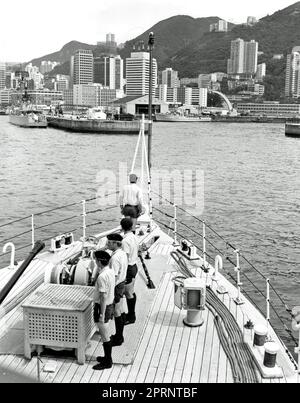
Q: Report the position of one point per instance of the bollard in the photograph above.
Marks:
(260, 335)
(271, 350)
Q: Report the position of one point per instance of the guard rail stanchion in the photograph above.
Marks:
(32, 230)
(238, 299)
(84, 219)
(175, 243)
(268, 303)
(204, 245)
(296, 328)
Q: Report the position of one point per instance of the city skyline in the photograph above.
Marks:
(125, 19)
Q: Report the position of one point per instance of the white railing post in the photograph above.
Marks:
(175, 243)
(296, 328)
(204, 245)
(84, 219)
(32, 230)
(268, 303)
(238, 299)
(13, 253)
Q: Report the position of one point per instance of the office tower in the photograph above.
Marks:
(108, 71)
(137, 74)
(62, 83)
(170, 78)
(82, 67)
(2, 75)
(292, 79)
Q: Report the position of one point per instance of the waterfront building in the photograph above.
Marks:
(243, 57)
(2, 75)
(82, 67)
(261, 71)
(274, 109)
(169, 77)
(140, 105)
(220, 26)
(137, 74)
(45, 97)
(292, 80)
(6, 97)
(68, 97)
(108, 71)
(85, 95)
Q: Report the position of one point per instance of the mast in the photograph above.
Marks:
(150, 46)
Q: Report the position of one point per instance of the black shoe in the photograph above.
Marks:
(130, 320)
(116, 341)
(105, 364)
(100, 359)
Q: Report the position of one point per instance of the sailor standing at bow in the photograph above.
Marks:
(118, 263)
(131, 200)
(104, 306)
(130, 247)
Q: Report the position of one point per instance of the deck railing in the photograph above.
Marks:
(79, 217)
(248, 279)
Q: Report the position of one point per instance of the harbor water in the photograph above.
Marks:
(251, 182)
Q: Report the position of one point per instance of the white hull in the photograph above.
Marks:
(177, 118)
(27, 121)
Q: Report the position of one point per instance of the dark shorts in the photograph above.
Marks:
(131, 273)
(119, 292)
(109, 313)
(131, 211)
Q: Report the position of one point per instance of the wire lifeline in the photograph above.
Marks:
(57, 222)
(15, 221)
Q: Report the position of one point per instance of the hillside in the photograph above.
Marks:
(185, 43)
(64, 54)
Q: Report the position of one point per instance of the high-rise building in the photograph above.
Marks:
(35, 77)
(251, 21)
(292, 80)
(170, 78)
(108, 71)
(220, 26)
(203, 97)
(137, 74)
(2, 75)
(62, 83)
(236, 61)
(47, 66)
(85, 94)
(261, 71)
(243, 57)
(82, 67)
(250, 57)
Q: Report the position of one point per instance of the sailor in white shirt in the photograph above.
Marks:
(104, 306)
(131, 200)
(131, 247)
(118, 263)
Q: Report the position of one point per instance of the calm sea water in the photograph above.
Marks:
(251, 171)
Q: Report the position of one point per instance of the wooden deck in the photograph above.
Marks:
(168, 351)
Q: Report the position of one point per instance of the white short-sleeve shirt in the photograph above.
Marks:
(119, 264)
(105, 283)
(131, 247)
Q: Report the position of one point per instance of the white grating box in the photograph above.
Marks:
(59, 316)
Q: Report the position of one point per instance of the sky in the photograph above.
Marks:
(33, 28)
